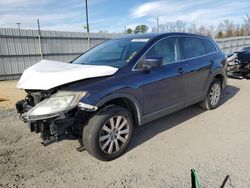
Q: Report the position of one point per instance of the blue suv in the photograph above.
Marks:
(121, 83)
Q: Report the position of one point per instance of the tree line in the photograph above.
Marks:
(226, 28)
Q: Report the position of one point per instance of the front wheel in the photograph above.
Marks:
(108, 133)
(213, 95)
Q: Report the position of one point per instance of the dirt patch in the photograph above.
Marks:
(9, 94)
(161, 154)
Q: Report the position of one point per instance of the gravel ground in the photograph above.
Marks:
(161, 154)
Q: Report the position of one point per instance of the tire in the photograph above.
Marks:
(213, 95)
(103, 140)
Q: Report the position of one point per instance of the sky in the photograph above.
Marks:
(114, 15)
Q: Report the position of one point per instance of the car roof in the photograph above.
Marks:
(160, 35)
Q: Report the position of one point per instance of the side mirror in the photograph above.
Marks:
(151, 62)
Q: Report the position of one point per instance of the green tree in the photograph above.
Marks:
(129, 31)
(219, 35)
(141, 29)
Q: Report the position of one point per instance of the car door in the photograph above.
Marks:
(164, 87)
(198, 63)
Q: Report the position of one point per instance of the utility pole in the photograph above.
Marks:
(19, 26)
(39, 38)
(157, 24)
(38, 26)
(87, 20)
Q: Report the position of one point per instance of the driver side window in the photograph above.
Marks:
(165, 49)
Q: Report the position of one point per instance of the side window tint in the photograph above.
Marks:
(167, 49)
(210, 48)
(192, 47)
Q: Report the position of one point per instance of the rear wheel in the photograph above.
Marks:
(108, 133)
(213, 95)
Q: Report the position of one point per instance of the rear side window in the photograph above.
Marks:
(210, 48)
(191, 47)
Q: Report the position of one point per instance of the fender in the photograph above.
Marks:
(131, 98)
(214, 73)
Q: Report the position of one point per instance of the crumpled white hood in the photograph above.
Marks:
(48, 74)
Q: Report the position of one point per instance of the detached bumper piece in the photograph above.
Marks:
(53, 130)
(231, 75)
(25, 105)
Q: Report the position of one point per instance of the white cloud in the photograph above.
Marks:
(155, 8)
(201, 12)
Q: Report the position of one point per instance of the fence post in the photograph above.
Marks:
(222, 44)
(235, 47)
(230, 41)
(88, 41)
(40, 45)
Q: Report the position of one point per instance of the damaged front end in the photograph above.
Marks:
(56, 116)
(238, 64)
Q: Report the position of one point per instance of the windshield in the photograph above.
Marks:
(115, 53)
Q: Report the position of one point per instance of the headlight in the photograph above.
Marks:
(232, 57)
(60, 102)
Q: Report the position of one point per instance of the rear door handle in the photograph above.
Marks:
(180, 70)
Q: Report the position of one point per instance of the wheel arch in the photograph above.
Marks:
(219, 74)
(220, 78)
(126, 101)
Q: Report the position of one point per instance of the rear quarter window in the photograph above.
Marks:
(191, 47)
(210, 48)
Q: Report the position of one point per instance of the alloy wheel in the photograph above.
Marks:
(214, 95)
(114, 134)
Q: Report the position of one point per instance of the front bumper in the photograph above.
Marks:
(53, 130)
(66, 125)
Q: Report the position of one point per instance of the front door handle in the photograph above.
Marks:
(181, 70)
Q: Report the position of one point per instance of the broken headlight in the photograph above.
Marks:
(62, 101)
